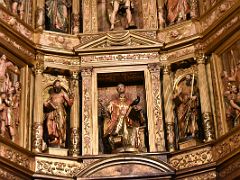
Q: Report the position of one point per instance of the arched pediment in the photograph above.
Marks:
(118, 42)
(125, 166)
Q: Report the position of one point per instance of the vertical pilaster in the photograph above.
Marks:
(149, 10)
(38, 105)
(194, 9)
(168, 108)
(75, 15)
(89, 16)
(87, 134)
(157, 118)
(74, 149)
(205, 98)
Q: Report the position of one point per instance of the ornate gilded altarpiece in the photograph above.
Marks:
(197, 54)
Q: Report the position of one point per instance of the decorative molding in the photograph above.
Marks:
(6, 175)
(207, 175)
(221, 31)
(58, 167)
(16, 25)
(56, 40)
(227, 146)
(177, 33)
(191, 159)
(17, 45)
(216, 14)
(121, 57)
(62, 60)
(233, 167)
(179, 54)
(15, 156)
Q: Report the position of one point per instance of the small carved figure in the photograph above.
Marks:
(121, 6)
(6, 116)
(234, 98)
(18, 8)
(57, 13)
(177, 10)
(187, 106)
(56, 115)
(122, 122)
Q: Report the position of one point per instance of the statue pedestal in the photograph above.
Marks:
(188, 143)
(57, 151)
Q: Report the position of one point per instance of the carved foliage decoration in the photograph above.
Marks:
(86, 110)
(191, 159)
(227, 146)
(7, 175)
(158, 120)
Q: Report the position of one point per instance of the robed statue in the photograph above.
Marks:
(123, 123)
(187, 105)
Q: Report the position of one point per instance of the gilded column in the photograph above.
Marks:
(74, 149)
(149, 8)
(87, 136)
(168, 109)
(75, 16)
(205, 99)
(38, 105)
(40, 13)
(160, 9)
(157, 107)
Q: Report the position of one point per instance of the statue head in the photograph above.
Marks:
(121, 88)
(4, 58)
(188, 80)
(57, 86)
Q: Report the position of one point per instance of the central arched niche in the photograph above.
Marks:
(124, 166)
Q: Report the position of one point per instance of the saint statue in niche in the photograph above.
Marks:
(57, 15)
(123, 124)
(187, 105)
(56, 116)
(10, 92)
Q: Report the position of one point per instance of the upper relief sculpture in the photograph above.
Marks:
(187, 105)
(231, 84)
(121, 7)
(15, 6)
(57, 15)
(10, 92)
(177, 10)
(123, 120)
(55, 123)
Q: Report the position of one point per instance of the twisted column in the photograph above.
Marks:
(38, 106)
(168, 109)
(74, 149)
(205, 99)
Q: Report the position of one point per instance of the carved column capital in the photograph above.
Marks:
(39, 66)
(86, 72)
(166, 69)
(200, 58)
(154, 67)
